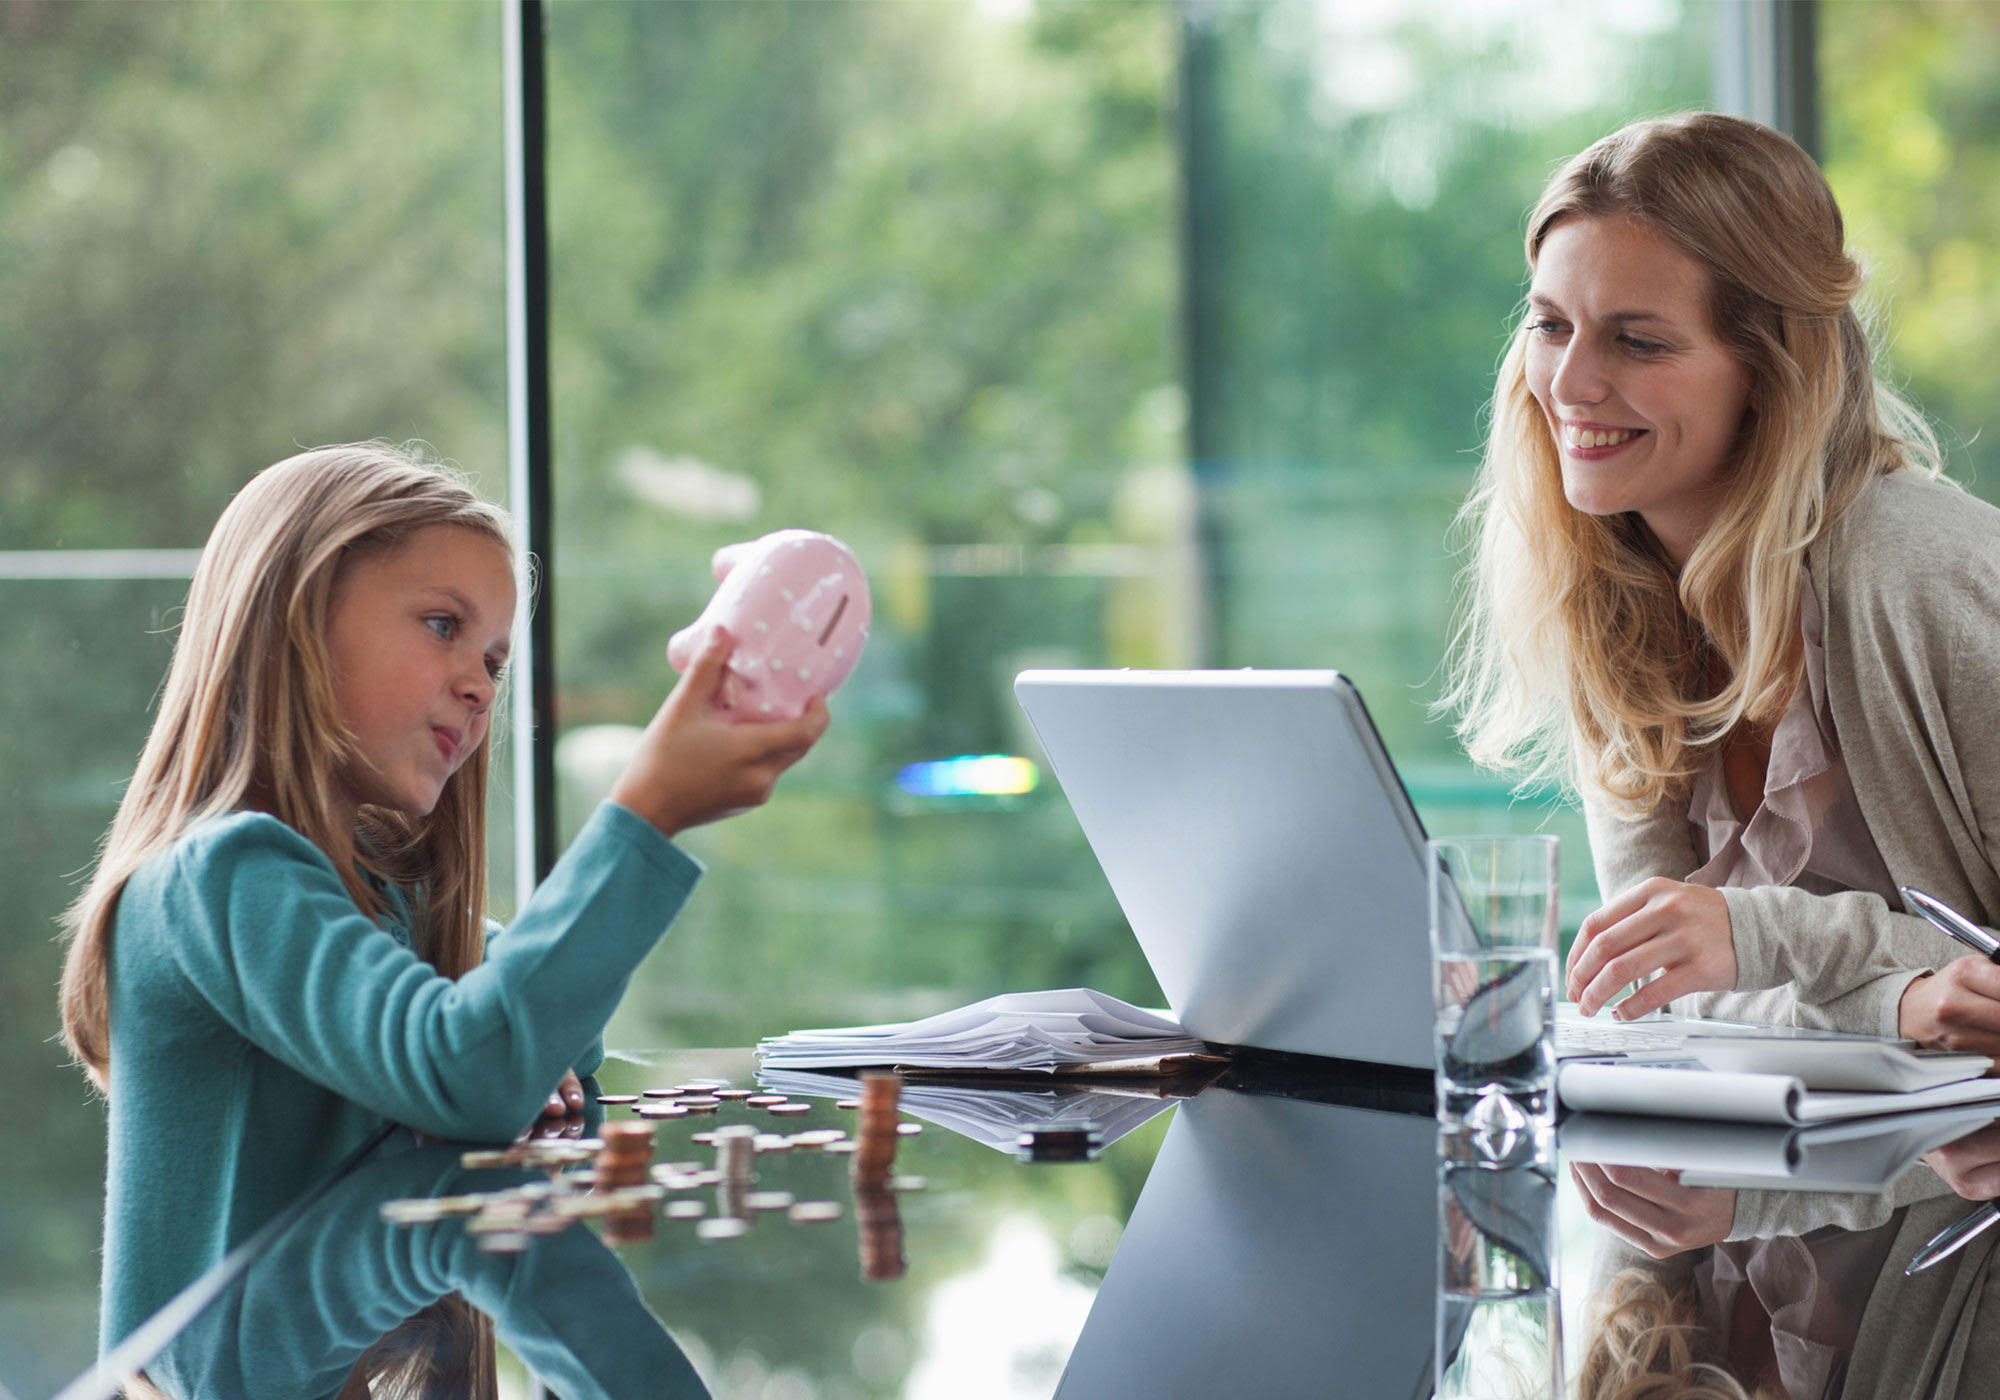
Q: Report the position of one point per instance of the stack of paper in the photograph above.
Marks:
(995, 1116)
(1075, 1031)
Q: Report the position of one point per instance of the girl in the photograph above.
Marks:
(1718, 585)
(284, 940)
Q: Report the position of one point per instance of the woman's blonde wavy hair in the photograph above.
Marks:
(248, 715)
(1584, 655)
(1646, 1343)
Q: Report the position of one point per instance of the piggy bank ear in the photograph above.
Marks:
(685, 645)
(727, 558)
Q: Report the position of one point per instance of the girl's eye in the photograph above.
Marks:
(444, 624)
(496, 668)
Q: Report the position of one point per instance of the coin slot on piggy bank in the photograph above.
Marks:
(798, 606)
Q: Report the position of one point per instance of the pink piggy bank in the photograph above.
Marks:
(797, 604)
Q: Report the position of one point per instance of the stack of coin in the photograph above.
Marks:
(875, 1152)
(623, 1161)
(880, 1237)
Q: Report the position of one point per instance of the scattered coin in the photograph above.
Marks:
(722, 1228)
(661, 1110)
(772, 1142)
(844, 1145)
(494, 1157)
(686, 1210)
(733, 1095)
(908, 1183)
(700, 1086)
(698, 1100)
(764, 1100)
(847, 1103)
(697, 1105)
(817, 1137)
(768, 1200)
(908, 1129)
(701, 1137)
(805, 1212)
(789, 1110)
(660, 1093)
(617, 1098)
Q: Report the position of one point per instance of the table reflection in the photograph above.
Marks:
(346, 1303)
(1287, 1235)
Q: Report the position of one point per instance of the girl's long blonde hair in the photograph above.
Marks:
(1584, 655)
(247, 715)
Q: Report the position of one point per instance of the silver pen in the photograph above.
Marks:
(1953, 924)
(1950, 1241)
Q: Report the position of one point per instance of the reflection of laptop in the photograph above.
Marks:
(1266, 855)
(1280, 1248)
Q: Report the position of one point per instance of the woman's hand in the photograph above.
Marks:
(1970, 1166)
(1678, 930)
(695, 764)
(1955, 1008)
(1651, 1211)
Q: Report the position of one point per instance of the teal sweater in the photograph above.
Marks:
(262, 1027)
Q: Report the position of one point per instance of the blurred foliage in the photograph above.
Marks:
(1911, 93)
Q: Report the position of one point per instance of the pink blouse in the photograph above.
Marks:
(1807, 833)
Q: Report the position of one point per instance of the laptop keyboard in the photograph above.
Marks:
(1612, 1038)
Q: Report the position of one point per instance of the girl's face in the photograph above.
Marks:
(417, 638)
(1643, 398)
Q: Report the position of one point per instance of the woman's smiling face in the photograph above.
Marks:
(1644, 400)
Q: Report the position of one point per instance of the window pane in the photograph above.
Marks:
(1913, 154)
(1359, 179)
(229, 229)
(904, 273)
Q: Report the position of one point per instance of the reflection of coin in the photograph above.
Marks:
(412, 1212)
(908, 1183)
(686, 1210)
(723, 1228)
(807, 1212)
(844, 1145)
(662, 1110)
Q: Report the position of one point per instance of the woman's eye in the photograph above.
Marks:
(1545, 327)
(1643, 347)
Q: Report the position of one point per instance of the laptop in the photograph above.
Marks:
(1279, 1248)
(1267, 856)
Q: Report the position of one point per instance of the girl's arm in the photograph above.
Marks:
(265, 935)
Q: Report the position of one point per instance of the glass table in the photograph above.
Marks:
(1289, 1228)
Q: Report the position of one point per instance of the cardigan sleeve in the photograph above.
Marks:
(263, 932)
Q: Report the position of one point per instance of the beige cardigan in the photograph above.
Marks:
(1908, 583)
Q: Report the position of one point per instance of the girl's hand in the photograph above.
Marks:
(567, 1099)
(1955, 1008)
(1678, 930)
(1650, 1210)
(697, 765)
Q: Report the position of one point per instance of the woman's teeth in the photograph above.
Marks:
(1591, 437)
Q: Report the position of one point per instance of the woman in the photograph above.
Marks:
(1719, 587)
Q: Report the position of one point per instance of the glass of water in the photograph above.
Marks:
(1493, 972)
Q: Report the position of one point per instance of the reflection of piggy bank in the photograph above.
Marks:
(797, 605)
